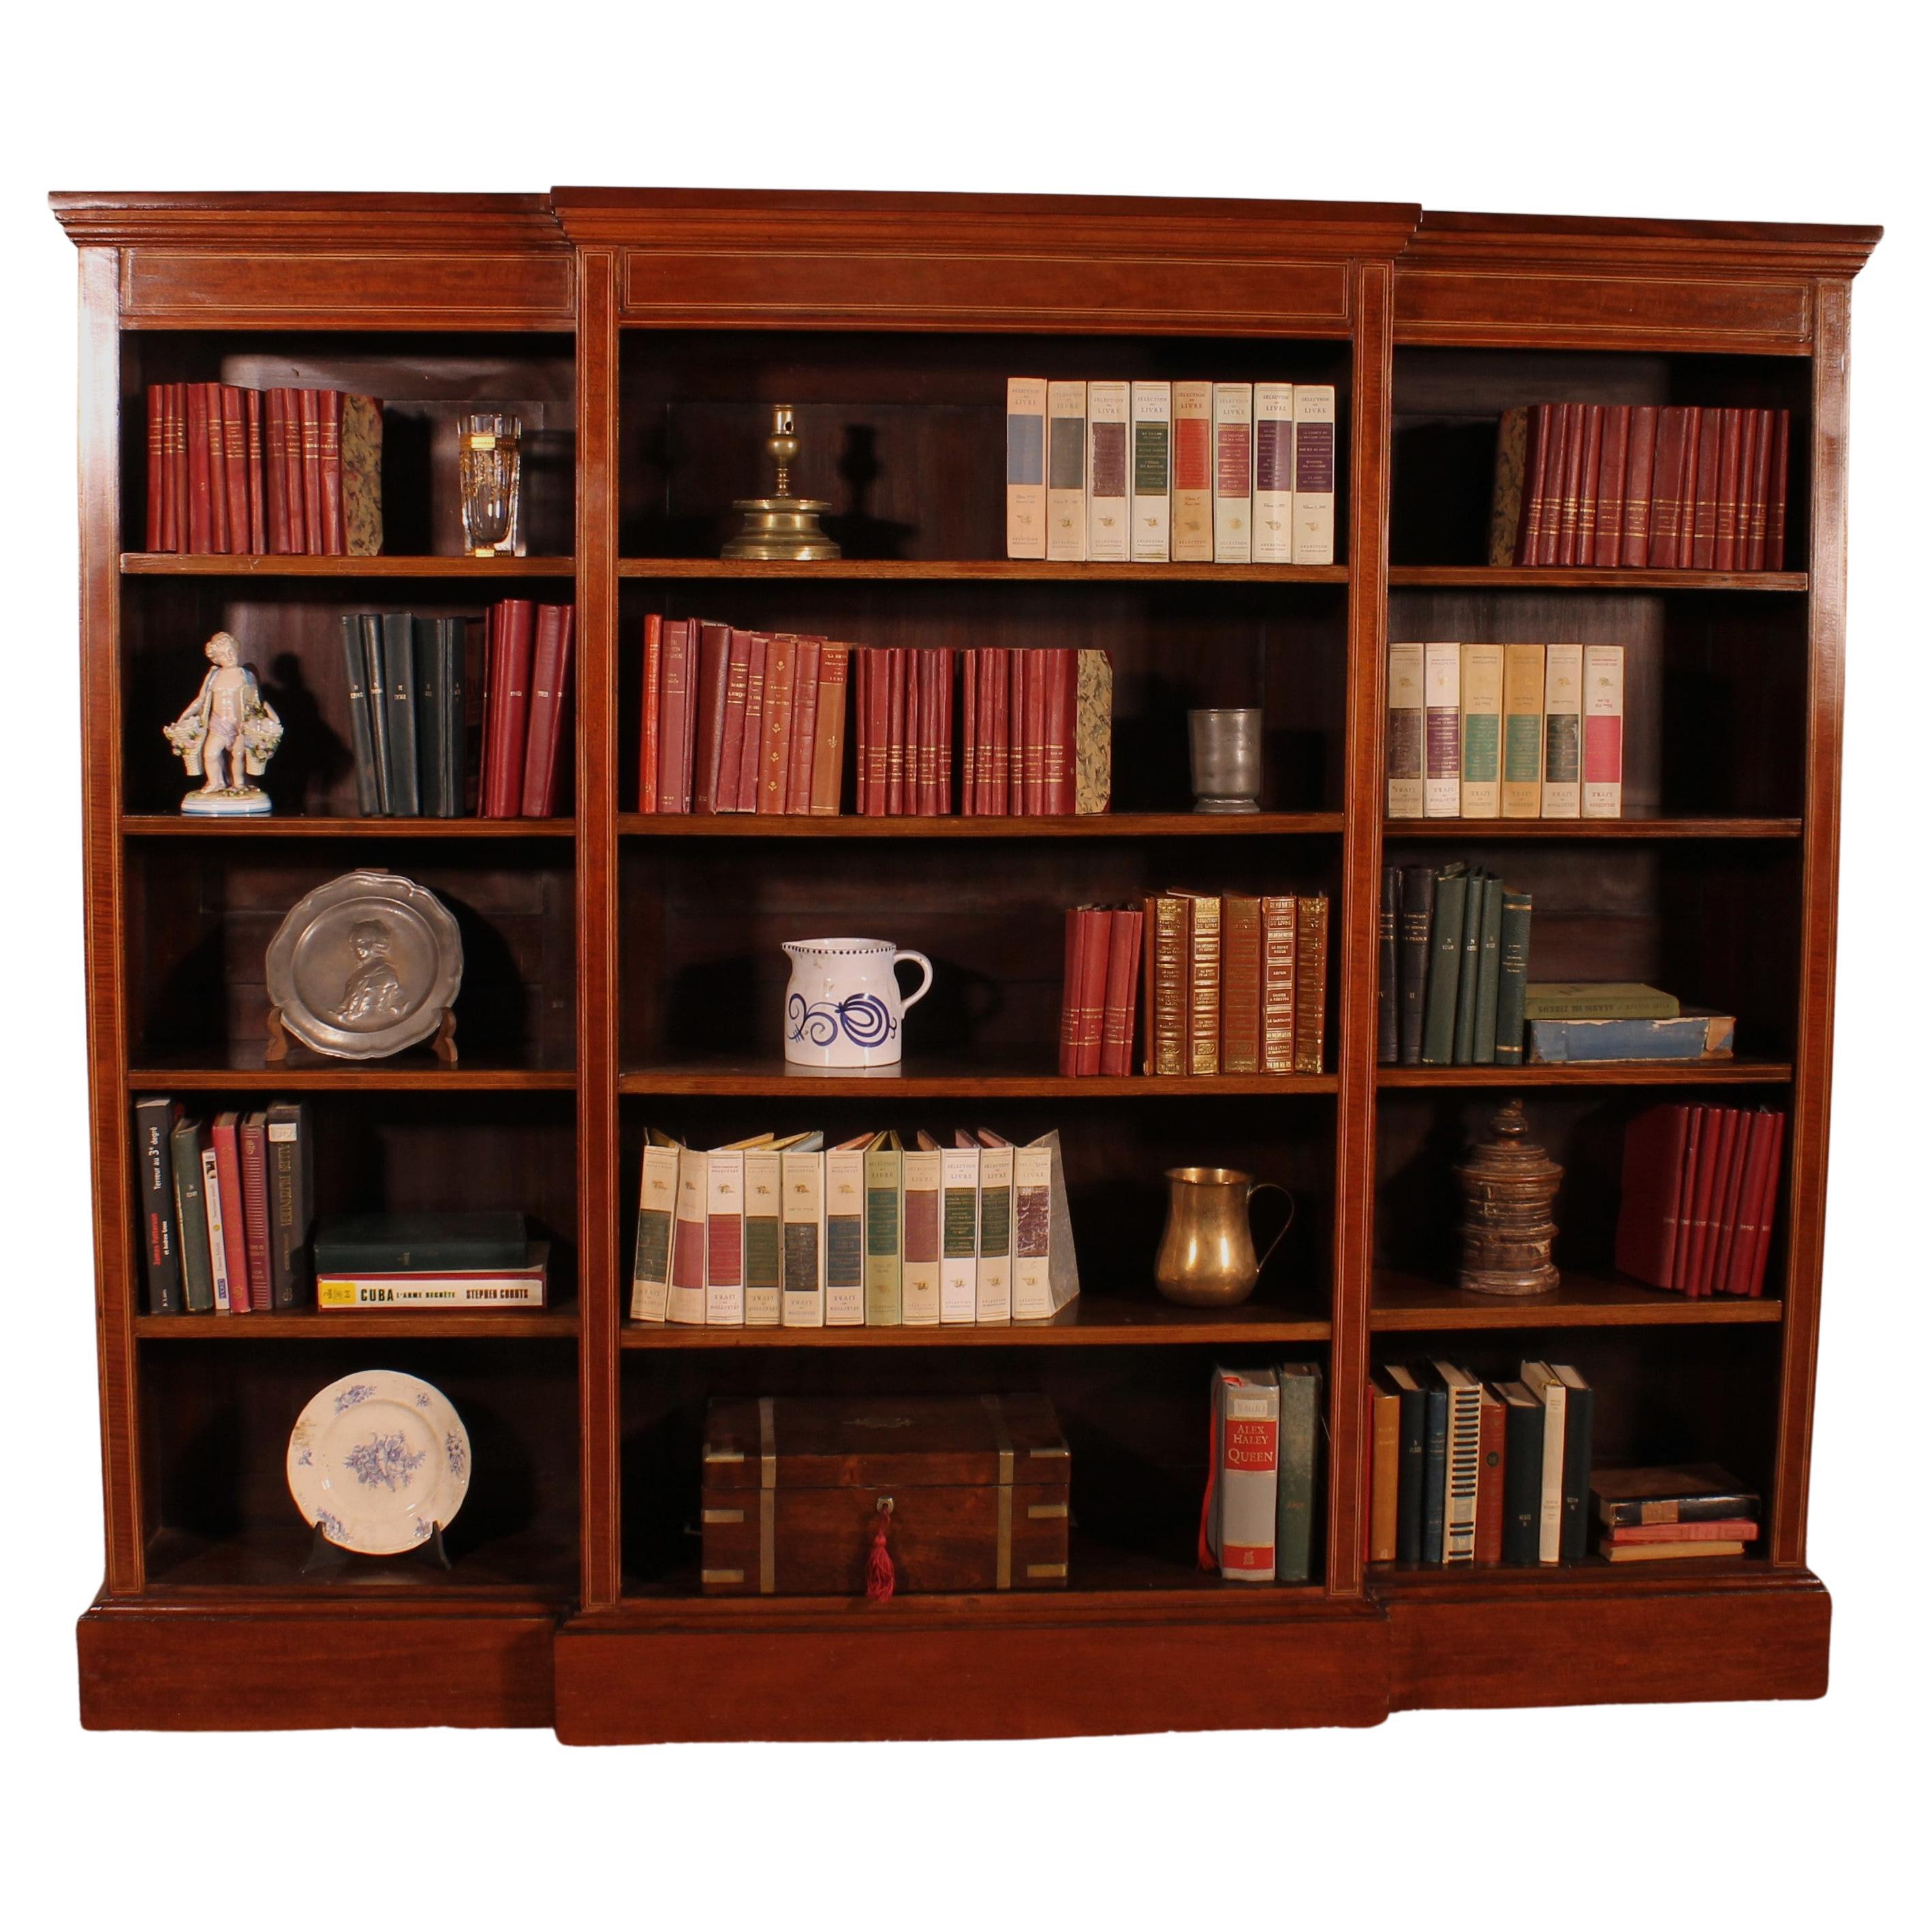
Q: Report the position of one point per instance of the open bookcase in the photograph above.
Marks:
(622, 968)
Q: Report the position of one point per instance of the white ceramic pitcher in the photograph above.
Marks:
(843, 1007)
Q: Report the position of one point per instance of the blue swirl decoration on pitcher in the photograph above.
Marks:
(863, 1018)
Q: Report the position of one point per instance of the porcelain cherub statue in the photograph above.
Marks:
(226, 736)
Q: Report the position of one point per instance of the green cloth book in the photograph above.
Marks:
(1468, 973)
(1598, 1000)
(1298, 1468)
(1512, 977)
(1445, 957)
(1488, 963)
(407, 1244)
(399, 669)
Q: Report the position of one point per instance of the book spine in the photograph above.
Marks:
(1095, 949)
(217, 1243)
(1298, 1451)
(1122, 995)
(685, 1304)
(828, 755)
(1468, 975)
(1562, 795)
(649, 728)
(1607, 526)
(1539, 446)
(1073, 978)
(291, 1157)
(993, 1288)
(712, 686)
(1385, 1469)
(1730, 457)
(1414, 1409)
(1191, 505)
(525, 1291)
(1522, 1482)
(1066, 472)
(1032, 1233)
(1442, 698)
(1311, 981)
(174, 479)
(510, 712)
(1576, 419)
(1704, 513)
(1274, 473)
(1058, 784)
(1603, 731)
(234, 464)
(328, 431)
(1412, 945)
(1489, 1449)
(1435, 1465)
(226, 1137)
(657, 1211)
(399, 674)
(432, 706)
(764, 1266)
(1445, 955)
(1666, 488)
(1153, 470)
(1523, 681)
(919, 1280)
(1109, 526)
(1775, 501)
(757, 665)
(1512, 977)
(1026, 467)
(1638, 478)
(803, 743)
(1462, 1468)
(1754, 1268)
(803, 1227)
(1240, 983)
(200, 493)
(1506, 497)
(152, 500)
(362, 476)
(884, 1237)
(362, 743)
(678, 671)
(1549, 1507)
(1489, 965)
(1578, 1412)
(253, 1138)
(1586, 484)
(1234, 472)
(160, 1235)
(1278, 991)
(1388, 992)
(1204, 984)
(1763, 435)
(782, 663)
(197, 1275)
(724, 1239)
(1403, 760)
(1482, 694)
(845, 1238)
(1314, 432)
(545, 761)
(308, 416)
(1247, 1441)
(898, 787)
(1731, 1530)
(1165, 972)
(959, 1235)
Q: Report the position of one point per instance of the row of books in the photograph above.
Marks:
(1635, 486)
(1463, 1470)
(409, 681)
(226, 1205)
(1100, 990)
(1235, 983)
(428, 1261)
(1455, 967)
(1263, 1473)
(1505, 731)
(1181, 472)
(280, 472)
(1700, 1197)
(785, 1231)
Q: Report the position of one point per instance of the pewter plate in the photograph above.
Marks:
(365, 966)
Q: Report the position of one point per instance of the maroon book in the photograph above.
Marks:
(1703, 494)
(308, 445)
(714, 670)
(509, 710)
(1637, 471)
(1781, 464)
(1650, 1216)
(859, 672)
(1754, 474)
(1666, 488)
(1096, 954)
(647, 728)
(1575, 416)
(1713, 1155)
(1030, 696)
(878, 696)
(254, 1137)
(1767, 1208)
(1056, 670)
(200, 507)
(1726, 1204)
(915, 733)
(275, 466)
(1073, 974)
(1122, 1001)
(969, 725)
(1586, 485)
(1549, 529)
(1730, 453)
(676, 716)
(157, 459)
(329, 438)
(731, 746)
(1612, 465)
(1492, 1422)
(176, 528)
(1733, 1276)
(757, 667)
(235, 465)
(942, 673)
(258, 518)
(549, 683)
(896, 801)
(804, 733)
(1535, 483)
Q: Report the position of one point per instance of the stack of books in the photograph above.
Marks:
(1455, 967)
(455, 1261)
(1258, 1516)
(782, 1230)
(1505, 731)
(408, 681)
(1100, 990)
(1183, 473)
(1612, 1019)
(1601, 485)
(1464, 1470)
(1700, 1198)
(1652, 1516)
(1235, 983)
(226, 1206)
(283, 473)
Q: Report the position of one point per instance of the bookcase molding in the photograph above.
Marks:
(567, 1614)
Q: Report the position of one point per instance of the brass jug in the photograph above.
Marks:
(1207, 1258)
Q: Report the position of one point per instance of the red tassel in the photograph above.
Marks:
(879, 1574)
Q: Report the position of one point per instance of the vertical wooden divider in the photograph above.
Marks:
(1372, 306)
(1810, 1128)
(105, 885)
(598, 1193)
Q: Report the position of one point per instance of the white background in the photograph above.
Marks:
(1771, 112)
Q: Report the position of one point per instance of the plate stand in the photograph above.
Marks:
(279, 1038)
(328, 1562)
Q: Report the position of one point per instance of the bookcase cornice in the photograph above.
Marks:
(1444, 240)
(436, 223)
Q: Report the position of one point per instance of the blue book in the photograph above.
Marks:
(1695, 1036)
(1435, 1458)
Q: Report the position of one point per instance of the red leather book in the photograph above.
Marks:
(1061, 794)
(235, 465)
(315, 520)
(828, 750)
(995, 677)
(1712, 1149)
(899, 769)
(1240, 983)
(1549, 527)
(1719, 1529)
(1748, 435)
(756, 663)
(1073, 976)
(647, 730)
(253, 1135)
(714, 665)
(917, 762)
(878, 729)
(157, 459)
(274, 468)
(1493, 1418)
(296, 484)
(1753, 474)
(508, 726)
(258, 520)
(1764, 456)
(937, 709)
(1704, 491)
(179, 488)
(488, 685)
(1277, 990)
(731, 741)
(1767, 1220)
(1121, 1002)
(677, 715)
(1726, 1198)
(1693, 1148)
(775, 750)
(1780, 466)
(1613, 465)
(1576, 429)
(1039, 750)
(1096, 955)
(946, 730)
(1535, 483)
(1732, 1275)
(806, 683)
(1651, 1213)
(1022, 746)
(1666, 487)
(550, 687)
(1730, 453)
(969, 732)
(328, 433)
(861, 669)
(1586, 484)
(1636, 488)
(225, 1137)
(200, 507)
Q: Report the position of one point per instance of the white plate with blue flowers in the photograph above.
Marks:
(379, 1461)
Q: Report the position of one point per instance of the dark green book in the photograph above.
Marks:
(407, 1244)
(399, 668)
(1578, 1414)
(1489, 967)
(1445, 957)
(1512, 978)
(1388, 993)
(1418, 910)
(291, 1149)
(1298, 1471)
(184, 1149)
(376, 686)
(1414, 1426)
(1466, 976)
(1522, 1472)
(430, 737)
(452, 635)
(361, 732)
(1435, 1456)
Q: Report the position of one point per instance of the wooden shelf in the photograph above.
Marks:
(1592, 828)
(1595, 1573)
(245, 1070)
(1099, 825)
(1741, 1073)
(936, 1078)
(314, 1324)
(1089, 1321)
(484, 569)
(1515, 576)
(176, 825)
(889, 570)
(1581, 1301)
(269, 1557)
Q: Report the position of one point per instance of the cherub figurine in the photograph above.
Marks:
(229, 732)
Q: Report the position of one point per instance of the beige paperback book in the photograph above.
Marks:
(1192, 503)
(1109, 527)
(1153, 470)
(1234, 472)
(1066, 472)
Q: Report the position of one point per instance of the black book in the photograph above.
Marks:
(1489, 967)
(399, 669)
(1522, 1473)
(1388, 993)
(403, 1244)
(1468, 980)
(431, 739)
(1576, 1418)
(154, 1119)
(452, 649)
(362, 731)
(377, 685)
(1696, 1492)
(1418, 910)
(1434, 1456)
(185, 1145)
(291, 1150)
(1414, 1421)
(1512, 977)
(1445, 959)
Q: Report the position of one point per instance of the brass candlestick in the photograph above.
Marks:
(783, 528)
(1509, 1189)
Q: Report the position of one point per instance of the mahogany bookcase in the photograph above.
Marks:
(623, 970)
